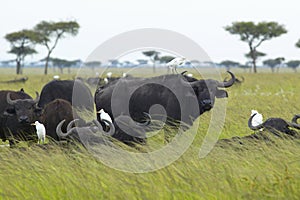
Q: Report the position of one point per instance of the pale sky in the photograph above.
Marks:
(201, 21)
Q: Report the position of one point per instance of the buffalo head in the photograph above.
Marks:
(208, 90)
(25, 110)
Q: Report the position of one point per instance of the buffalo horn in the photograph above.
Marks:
(148, 120)
(227, 83)
(9, 100)
(294, 120)
(59, 131)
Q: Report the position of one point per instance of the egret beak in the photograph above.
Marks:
(33, 124)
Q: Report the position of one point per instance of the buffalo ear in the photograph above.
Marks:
(22, 90)
(9, 112)
(221, 94)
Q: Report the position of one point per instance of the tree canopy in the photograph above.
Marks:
(255, 34)
(272, 63)
(22, 44)
(51, 32)
(153, 55)
(229, 63)
(294, 64)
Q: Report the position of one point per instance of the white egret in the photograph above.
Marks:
(108, 74)
(56, 77)
(105, 80)
(104, 116)
(173, 64)
(257, 119)
(40, 131)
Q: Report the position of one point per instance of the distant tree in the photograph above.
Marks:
(93, 64)
(228, 64)
(166, 59)
(52, 32)
(255, 55)
(22, 44)
(246, 66)
(255, 34)
(153, 55)
(294, 64)
(272, 63)
(142, 61)
(62, 63)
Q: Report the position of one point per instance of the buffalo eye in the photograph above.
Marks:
(9, 112)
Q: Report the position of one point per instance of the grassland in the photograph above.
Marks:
(253, 170)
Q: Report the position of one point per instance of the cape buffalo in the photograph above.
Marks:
(89, 135)
(130, 132)
(53, 113)
(181, 100)
(274, 125)
(17, 111)
(74, 91)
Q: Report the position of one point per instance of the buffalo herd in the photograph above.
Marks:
(128, 100)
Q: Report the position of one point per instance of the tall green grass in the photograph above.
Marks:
(252, 170)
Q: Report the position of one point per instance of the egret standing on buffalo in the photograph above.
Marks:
(104, 117)
(173, 64)
(40, 131)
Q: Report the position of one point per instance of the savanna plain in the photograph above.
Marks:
(234, 169)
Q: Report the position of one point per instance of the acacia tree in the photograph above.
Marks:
(294, 64)
(22, 44)
(272, 63)
(52, 32)
(255, 35)
(153, 55)
(229, 63)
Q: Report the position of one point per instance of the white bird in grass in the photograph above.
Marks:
(108, 74)
(257, 119)
(173, 64)
(104, 115)
(40, 131)
(56, 77)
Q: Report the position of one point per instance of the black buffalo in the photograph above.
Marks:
(182, 100)
(53, 113)
(74, 91)
(89, 135)
(130, 132)
(274, 125)
(17, 111)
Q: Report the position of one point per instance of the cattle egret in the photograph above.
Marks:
(124, 75)
(105, 80)
(97, 74)
(104, 116)
(257, 119)
(190, 75)
(173, 64)
(40, 131)
(56, 77)
(108, 74)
